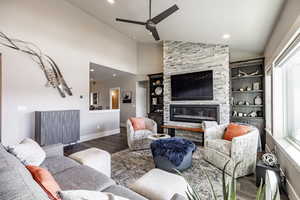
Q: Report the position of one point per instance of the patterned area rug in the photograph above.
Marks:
(128, 166)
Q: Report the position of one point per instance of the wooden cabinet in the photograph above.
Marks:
(156, 99)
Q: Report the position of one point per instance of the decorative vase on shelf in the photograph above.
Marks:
(258, 100)
(154, 101)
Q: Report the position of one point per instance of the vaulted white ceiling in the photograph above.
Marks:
(249, 22)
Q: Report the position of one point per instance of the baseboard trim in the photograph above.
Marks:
(291, 191)
(93, 136)
(123, 125)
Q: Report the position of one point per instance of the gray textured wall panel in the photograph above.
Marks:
(52, 127)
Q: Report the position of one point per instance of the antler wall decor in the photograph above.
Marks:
(51, 71)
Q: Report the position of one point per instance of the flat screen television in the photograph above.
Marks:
(192, 86)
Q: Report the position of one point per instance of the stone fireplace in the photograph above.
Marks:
(188, 57)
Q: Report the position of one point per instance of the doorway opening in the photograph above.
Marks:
(114, 94)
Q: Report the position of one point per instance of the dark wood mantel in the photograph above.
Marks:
(184, 128)
(171, 130)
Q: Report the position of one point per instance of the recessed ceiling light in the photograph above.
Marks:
(226, 36)
(111, 1)
(114, 75)
(92, 70)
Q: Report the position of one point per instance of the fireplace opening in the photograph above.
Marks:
(194, 113)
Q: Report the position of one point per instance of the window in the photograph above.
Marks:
(290, 80)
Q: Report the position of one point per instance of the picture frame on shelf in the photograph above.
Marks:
(256, 86)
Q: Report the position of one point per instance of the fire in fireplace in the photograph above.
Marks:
(194, 113)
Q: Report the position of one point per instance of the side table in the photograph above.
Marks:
(261, 169)
(158, 136)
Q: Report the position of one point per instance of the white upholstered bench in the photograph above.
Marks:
(95, 158)
(160, 185)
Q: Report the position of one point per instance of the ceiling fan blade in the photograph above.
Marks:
(130, 21)
(165, 14)
(155, 34)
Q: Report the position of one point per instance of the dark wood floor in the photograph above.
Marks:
(112, 144)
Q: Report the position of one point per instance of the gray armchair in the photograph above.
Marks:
(243, 148)
(138, 140)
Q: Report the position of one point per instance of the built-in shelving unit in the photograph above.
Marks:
(156, 99)
(248, 118)
(255, 106)
(246, 77)
(247, 94)
(252, 91)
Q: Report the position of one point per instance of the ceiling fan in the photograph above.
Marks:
(152, 22)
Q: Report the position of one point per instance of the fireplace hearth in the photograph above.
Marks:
(194, 113)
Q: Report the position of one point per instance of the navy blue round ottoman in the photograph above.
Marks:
(172, 153)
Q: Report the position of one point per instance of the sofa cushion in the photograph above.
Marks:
(160, 185)
(235, 130)
(140, 134)
(138, 123)
(178, 197)
(16, 182)
(88, 195)
(44, 178)
(82, 178)
(29, 152)
(95, 158)
(222, 146)
(58, 164)
(124, 192)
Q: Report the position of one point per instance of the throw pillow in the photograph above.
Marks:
(88, 195)
(138, 123)
(29, 152)
(235, 130)
(45, 180)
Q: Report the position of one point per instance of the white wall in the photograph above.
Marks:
(142, 98)
(150, 58)
(73, 39)
(238, 55)
(287, 25)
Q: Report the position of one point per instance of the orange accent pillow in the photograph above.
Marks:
(138, 123)
(45, 180)
(234, 130)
